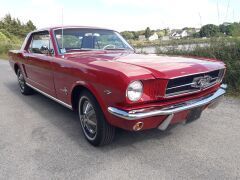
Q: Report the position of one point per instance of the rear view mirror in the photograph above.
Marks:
(46, 50)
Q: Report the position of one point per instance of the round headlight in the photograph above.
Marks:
(134, 91)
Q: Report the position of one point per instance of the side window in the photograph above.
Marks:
(41, 43)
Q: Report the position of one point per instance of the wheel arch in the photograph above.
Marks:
(16, 67)
(80, 87)
(77, 89)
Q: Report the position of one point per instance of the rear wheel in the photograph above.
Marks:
(94, 125)
(24, 88)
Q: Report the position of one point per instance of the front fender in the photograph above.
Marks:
(96, 91)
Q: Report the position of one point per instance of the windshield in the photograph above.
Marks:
(74, 39)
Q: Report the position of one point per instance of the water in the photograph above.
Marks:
(185, 47)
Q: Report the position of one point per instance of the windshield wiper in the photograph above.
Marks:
(80, 49)
(115, 49)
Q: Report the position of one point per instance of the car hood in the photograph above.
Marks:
(165, 67)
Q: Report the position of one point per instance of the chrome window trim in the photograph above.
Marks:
(51, 97)
(92, 28)
(50, 42)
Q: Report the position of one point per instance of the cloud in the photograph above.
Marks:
(173, 12)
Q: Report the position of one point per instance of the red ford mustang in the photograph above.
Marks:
(96, 72)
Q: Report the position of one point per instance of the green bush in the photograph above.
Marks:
(12, 32)
(8, 42)
(4, 38)
(5, 47)
(223, 49)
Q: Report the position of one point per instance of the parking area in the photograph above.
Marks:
(40, 139)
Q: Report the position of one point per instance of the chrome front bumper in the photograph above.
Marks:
(210, 100)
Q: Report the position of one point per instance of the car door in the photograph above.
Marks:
(38, 62)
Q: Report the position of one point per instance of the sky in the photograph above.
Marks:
(123, 14)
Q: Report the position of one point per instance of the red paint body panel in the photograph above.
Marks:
(111, 70)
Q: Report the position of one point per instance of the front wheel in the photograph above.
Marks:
(94, 125)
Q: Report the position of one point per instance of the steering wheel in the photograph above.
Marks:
(109, 45)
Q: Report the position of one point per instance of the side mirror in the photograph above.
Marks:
(51, 51)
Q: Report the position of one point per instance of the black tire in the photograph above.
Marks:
(103, 133)
(24, 88)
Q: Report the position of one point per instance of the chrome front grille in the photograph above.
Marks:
(193, 83)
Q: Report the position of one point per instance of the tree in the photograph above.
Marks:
(147, 33)
(196, 35)
(235, 29)
(139, 33)
(209, 30)
(15, 26)
(230, 29)
(128, 35)
(30, 26)
(226, 28)
(161, 33)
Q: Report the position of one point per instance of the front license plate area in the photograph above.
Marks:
(194, 114)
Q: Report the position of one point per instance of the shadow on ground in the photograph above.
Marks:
(67, 120)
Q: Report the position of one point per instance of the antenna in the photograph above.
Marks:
(62, 32)
(200, 18)
(218, 11)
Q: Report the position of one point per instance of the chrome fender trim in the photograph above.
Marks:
(49, 96)
(145, 113)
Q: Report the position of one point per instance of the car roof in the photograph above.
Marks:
(69, 27)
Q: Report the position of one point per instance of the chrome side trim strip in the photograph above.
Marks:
(134, 115)
(189, 84)
(51, 97)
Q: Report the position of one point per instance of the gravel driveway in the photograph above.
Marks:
(40, 139)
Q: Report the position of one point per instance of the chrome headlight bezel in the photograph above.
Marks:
(134, 91)
(221, 75)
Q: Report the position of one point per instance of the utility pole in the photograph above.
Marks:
(233, 16)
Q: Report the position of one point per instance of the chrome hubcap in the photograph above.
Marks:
(21, 81)
(88, 119)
